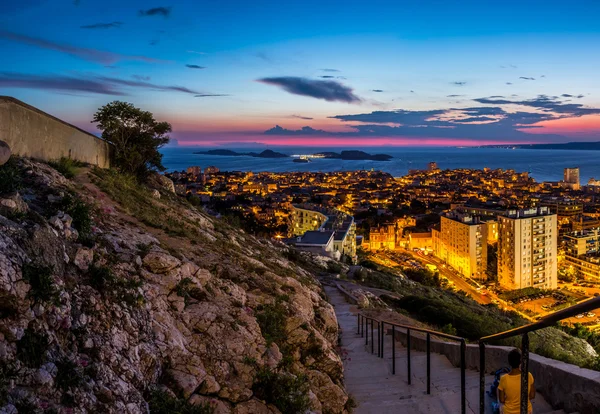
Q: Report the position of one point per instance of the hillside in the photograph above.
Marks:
(119, 299)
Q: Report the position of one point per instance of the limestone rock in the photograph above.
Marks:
(4, 152)
(83, 258)
(254, 406)
(12, 204)
(155, 193)
(332, 397)
(160, 262)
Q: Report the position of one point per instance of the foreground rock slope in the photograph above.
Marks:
(112, 300)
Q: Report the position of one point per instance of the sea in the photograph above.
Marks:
(543, 165)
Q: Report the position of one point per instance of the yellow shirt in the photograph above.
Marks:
(511, 385)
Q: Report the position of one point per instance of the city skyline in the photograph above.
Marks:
(314, 74)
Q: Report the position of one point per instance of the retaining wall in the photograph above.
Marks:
(33, 133)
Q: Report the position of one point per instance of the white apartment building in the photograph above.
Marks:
(527, 249)
(461, 242)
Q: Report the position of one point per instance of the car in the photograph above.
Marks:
(579, 316)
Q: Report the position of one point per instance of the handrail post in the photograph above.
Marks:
(482, 377)
(408, 352)
(358, 324)
(372, 336)
(428, 363)
(525, 373)
(382, 333)
(362, 326)
(393, 350)
(378, 339)
(463, 363)
(367, 333)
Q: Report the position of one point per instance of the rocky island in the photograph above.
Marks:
(355, 155)
(228, 153)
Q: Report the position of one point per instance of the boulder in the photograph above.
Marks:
(13, 204)
(159, 262)
(4, 152)
(167, 184)
(332, 397)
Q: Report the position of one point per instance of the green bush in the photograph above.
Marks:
(31, 349)
(161, 402)
(119, 289)
(68, 375)
(43, 288)
(81, 214)
(271, 319)
(285, 391)
(334, 267)
(423, 276)
(66, 166)
(10, 177)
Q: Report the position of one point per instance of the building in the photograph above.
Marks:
(527, 249)
(582, 252)
(461, 242)
(383, 237)
(571, 177)
(420, 241)
(194, 171)
(432, 166)
(320, 242)
(211, 170)
(310, 218)
(304, 219)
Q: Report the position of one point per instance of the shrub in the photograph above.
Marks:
(186, 289)
(10, 177)
(31, 349)
(68, 375)
(161, 402)
(423, 276)
(66, 166)
(285, 391)
(334, 267)
(271, 319)
(41, 281)
(81, 214)
(120, 289)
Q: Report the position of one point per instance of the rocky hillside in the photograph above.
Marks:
(118, 299)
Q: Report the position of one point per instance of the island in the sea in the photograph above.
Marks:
(354, 155)
(265, 154)
(343, 155)
(580, 145)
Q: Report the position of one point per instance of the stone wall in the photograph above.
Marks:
(32, 133)
(564, 386)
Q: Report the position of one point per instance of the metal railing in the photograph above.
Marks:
(363, 325)
(524, 331)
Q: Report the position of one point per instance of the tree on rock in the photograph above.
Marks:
(136, 137)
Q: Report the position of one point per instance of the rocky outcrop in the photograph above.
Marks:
(4, 152)
(98, 323)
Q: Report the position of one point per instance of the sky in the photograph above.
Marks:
(314, 73)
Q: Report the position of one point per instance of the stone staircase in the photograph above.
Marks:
(370, 381)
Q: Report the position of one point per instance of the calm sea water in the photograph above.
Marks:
(543, 165)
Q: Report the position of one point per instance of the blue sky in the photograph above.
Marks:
(441, 72)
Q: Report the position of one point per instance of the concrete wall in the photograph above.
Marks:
(563, 385)
(32, 133)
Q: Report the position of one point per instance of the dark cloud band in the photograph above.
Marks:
(327, 90)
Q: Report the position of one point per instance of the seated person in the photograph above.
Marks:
(509, 389)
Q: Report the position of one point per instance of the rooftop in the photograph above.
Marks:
(316, 237)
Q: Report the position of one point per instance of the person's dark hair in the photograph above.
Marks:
(514, 358)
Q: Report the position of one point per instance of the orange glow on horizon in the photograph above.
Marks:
(584, 125)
